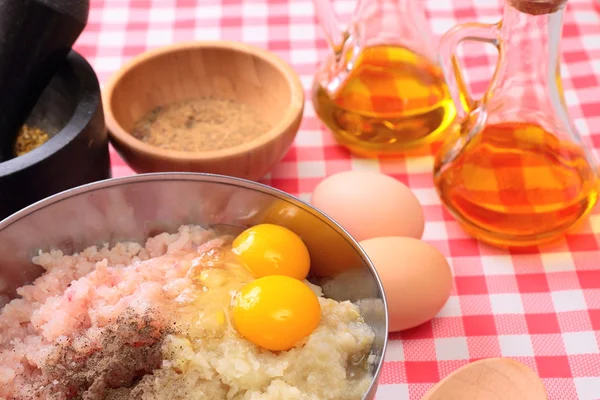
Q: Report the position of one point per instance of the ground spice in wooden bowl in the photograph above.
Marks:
(202, 124)
(28, 139)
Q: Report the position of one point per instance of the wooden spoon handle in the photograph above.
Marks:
(490, 379)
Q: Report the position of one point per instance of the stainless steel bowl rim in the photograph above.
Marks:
(191, 176)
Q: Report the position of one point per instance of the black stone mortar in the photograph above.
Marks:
(70, 111)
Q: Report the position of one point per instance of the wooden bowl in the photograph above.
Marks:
(185, 71)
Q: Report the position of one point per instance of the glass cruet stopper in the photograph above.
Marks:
(380, 90)
(516, 172)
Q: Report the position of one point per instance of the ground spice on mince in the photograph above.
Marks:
(129, 349)
(200, 125)
(28, 139)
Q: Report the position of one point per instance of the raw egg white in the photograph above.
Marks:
(370, 205)
(416, 279)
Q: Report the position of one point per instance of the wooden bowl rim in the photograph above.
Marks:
(289, 118)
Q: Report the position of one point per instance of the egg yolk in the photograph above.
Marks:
(275, 312)
(269, 249)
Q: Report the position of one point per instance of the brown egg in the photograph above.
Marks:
(370, 204)
(416, 278)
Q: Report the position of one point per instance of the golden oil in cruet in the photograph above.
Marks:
(516, 173)
(379, 91)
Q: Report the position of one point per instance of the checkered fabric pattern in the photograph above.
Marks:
(541, 307)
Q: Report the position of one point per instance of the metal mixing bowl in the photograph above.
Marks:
(137, 207)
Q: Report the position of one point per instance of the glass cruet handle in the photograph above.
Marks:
(330, 23)
(448, 45)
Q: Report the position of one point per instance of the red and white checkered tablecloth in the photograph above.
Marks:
(539, 307)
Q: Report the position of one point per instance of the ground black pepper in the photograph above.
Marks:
(130, 349)
(200, 125)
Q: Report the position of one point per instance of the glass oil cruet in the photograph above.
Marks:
(380, 91)
(515, 173)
